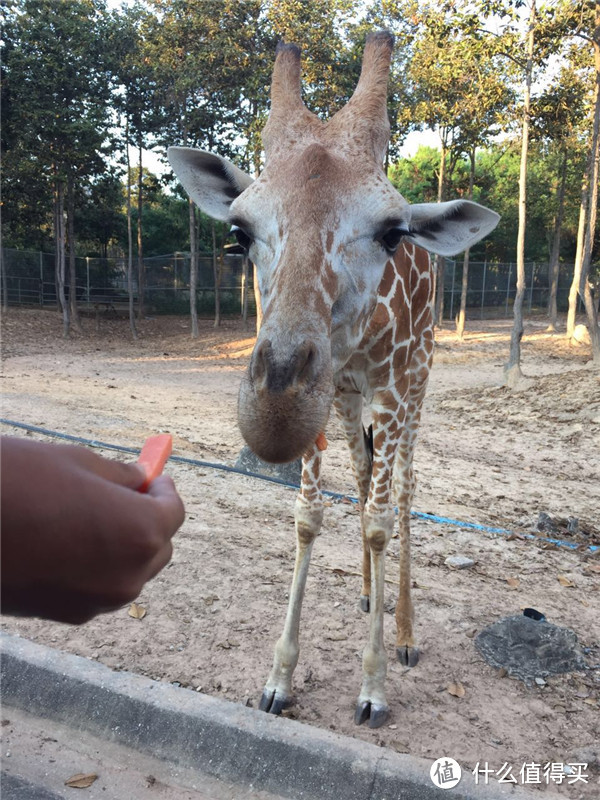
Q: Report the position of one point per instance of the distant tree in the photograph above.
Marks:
(460, 90)
(135, 98)
(57, 113)
(582, 20)
(198, 68)
(99, 216)
(557, 124)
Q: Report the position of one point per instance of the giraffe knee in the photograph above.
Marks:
(309, 517)
(378, 530)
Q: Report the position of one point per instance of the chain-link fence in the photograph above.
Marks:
(492, 288)
(29, 279)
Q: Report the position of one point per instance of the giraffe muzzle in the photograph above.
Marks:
(284, 399)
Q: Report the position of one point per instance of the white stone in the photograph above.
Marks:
(459, 562)
(581, 334)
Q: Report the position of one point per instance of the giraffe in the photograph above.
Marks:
(346, 287)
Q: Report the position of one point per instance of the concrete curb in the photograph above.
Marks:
(219, 738)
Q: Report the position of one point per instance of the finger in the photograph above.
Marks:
(129, 475)
(159, 562)
(162, 490)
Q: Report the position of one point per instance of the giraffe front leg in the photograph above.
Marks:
(277, 693)
(348, 406)
(372, 705)
(389, 408)
(407, 651)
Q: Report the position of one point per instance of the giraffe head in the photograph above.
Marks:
(320, 223)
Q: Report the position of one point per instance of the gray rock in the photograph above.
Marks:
(250, 462)
(530, 649)
(459, 562)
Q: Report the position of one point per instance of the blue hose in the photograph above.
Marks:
(336, 495)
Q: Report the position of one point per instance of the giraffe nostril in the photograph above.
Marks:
(306, 364)
(260, 361)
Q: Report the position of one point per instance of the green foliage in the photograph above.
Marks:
(497, 178)
(76, 76)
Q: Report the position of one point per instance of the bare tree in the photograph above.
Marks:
(512, 370)
(588, 212)
(129, 236)
(72, 263)
(60, 265)
(554, 265)
(460, 322)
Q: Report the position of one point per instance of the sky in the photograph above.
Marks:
(429, 138)
(414, 140)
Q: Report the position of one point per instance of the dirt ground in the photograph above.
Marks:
(485, 455)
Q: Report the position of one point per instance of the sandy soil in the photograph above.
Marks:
(485, 455)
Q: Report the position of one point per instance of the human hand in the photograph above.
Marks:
(77, 538)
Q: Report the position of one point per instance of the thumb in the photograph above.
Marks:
(162, 490)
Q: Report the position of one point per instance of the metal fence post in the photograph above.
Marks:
(452, 292)
(87, 269)
(483, 286)
(41, 279)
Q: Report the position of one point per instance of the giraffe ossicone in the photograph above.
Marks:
(346, 286)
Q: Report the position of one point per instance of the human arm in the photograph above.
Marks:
(77, 538)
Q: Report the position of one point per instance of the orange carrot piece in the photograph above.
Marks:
(153, 457)
(321, 441)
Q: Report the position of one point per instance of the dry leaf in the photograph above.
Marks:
(81, 780)
(210, 599)
(590, 701)
(564, 581)
(136, 611)
(514, 583)
(457, 689)
(592, 568)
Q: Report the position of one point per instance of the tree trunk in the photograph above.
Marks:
(59, 223)
(554, 265)
(460, 322)
(216, 277)
(576, 282)
(140, 258)
(512, 369)
(440, 261)
(193, 270)
(129, 239)
(72, 263)
(592, 204)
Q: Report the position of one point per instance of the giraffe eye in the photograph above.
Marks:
(392, 238)
(244, 240)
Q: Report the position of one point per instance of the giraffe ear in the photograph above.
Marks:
(449, 228)
(211, 181)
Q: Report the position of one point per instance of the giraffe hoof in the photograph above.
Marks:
(376, 715)
(409, 656)
(273, 703)
(365, 603)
